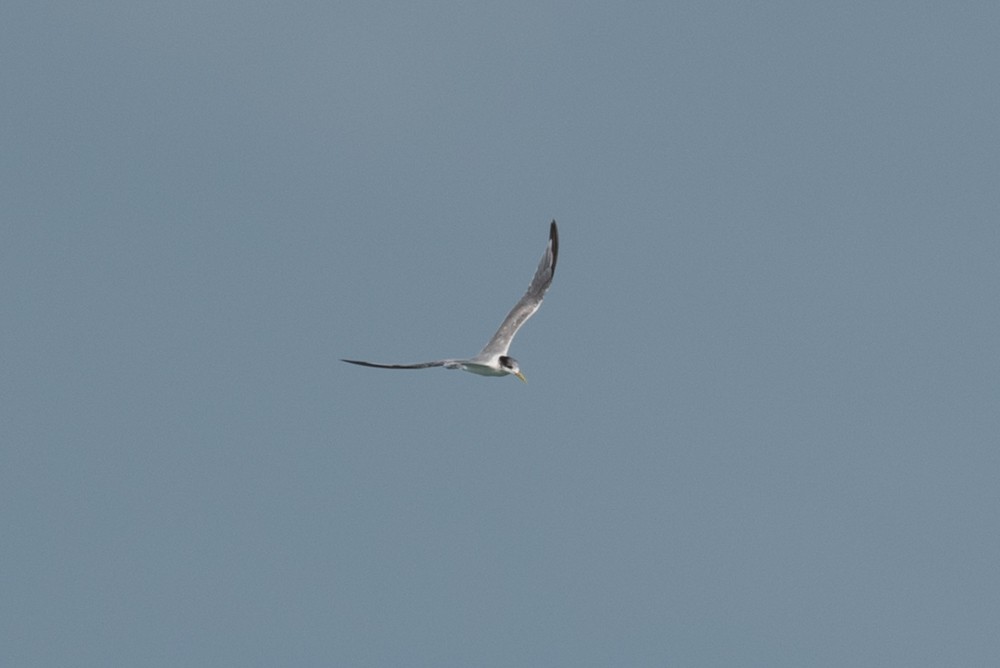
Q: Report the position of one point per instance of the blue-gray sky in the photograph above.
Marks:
(761, 423)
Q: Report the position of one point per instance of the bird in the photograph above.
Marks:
(493, 359)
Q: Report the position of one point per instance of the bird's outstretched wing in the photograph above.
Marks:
(421, 365)
(529, 303)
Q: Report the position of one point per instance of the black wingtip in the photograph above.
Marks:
(358, 362)
(554, 240)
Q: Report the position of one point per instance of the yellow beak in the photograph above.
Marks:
(521, 376)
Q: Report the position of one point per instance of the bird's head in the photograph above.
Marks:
(509, 364)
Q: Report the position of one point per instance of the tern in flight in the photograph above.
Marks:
(493, 359)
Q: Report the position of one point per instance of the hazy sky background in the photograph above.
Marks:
(761, 423)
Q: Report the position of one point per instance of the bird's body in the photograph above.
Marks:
(493, 360)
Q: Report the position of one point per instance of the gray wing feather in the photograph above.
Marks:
(421, 365)
(529, 303)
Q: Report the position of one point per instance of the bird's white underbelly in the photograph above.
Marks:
(481, 369)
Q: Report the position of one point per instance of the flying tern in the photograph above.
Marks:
(493, 360)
